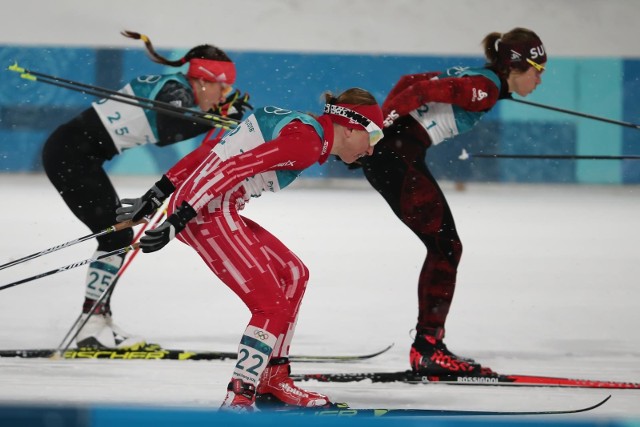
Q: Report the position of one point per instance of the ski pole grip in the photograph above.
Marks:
(128, 224)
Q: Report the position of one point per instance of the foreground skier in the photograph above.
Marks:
(212, 184)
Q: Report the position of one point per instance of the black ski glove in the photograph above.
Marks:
(234, 106)
(147, 204)
(159, 237)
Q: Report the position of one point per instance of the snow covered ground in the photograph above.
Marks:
(548, 285)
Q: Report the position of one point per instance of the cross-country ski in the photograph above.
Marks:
(409, 377)
(346, 411)
(155, 352)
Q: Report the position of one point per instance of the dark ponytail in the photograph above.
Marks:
(510, 51)
(204, 51)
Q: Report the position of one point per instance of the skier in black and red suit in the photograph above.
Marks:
(423, 110)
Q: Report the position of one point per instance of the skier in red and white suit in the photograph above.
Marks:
(265, 153)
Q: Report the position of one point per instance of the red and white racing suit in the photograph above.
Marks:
(217, 179)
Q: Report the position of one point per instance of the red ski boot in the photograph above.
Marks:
(430, 356)
(276, 388)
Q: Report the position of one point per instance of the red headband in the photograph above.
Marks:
(213, 71)
(371, 112)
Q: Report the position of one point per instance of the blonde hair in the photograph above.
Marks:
(355, 95)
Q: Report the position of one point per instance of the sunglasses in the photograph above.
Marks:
(535, 65)
(226, 89)
(374, 131)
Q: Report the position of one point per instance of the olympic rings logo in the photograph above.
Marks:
(261, 335)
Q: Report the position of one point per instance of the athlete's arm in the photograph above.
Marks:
(408, 80)
(296, 147)
(473, 93)
(175, 129)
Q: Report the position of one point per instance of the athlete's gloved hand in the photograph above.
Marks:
(235, 106)
(147, 204)
(156, 239)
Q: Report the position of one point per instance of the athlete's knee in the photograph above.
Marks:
(451, 249)
(444, 246)
(295, 276)
(455, 251)
(303, 275)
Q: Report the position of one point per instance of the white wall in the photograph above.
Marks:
(567, 27)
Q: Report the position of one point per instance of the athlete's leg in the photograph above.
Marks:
(237, 257)
(398, 171)
(271, 281)
(73, 159)
(292, 275)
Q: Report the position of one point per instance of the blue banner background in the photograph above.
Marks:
(606, 87)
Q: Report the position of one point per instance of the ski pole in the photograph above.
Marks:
(117, 98)
(576, 113)
(62, 347)
(32, 75)
(70, 266)
(466, 155)
(112, 229)
(209, 119)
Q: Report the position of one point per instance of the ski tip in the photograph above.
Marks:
(589, 408)
(602, 402)
(384, 350)
(371, 355)
(339, 358)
